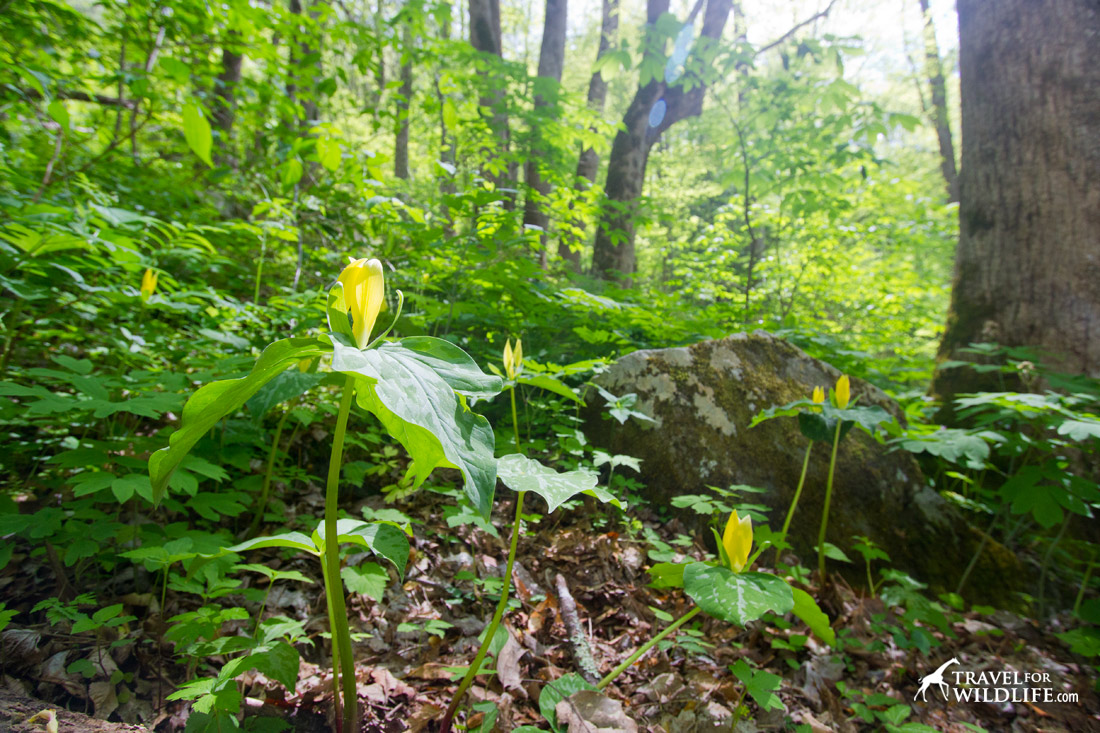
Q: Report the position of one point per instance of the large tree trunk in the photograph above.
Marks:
(1027, 271)
(485, 37)
(613, 253)
(551, 63)
(933, 69)
(404, 102)
(225, 101)
(588, 165)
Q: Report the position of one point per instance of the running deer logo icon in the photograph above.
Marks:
(936, 678)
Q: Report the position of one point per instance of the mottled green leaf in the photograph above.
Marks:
(736, 597)
(520, 473)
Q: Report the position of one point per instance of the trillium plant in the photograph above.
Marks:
(822, 421)
(726, 589)
(420, 389)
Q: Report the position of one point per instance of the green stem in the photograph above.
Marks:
(334, 588)
(978, 553)
(9, 339)
(265, 490)
(1084, 585)
(825, 510)
(515, 420)
(797, 495)
(490, 632)
(335, 649)
(259, 269)
(646, 647)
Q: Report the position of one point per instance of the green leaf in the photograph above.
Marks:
(668, 575)
(293, 540)
(125, 487)
(760, 684)
(286, 386)
(806, 608)
(197, 131)
(520, 473)
(835, 553)
(736, 597)
(1080, 430)
(451, 363)
(368, 579)
(556, 691)
(545, 381)
(216, 400)
(280, 663)
(329, 153)
(384, 539)
(56, 110)
(421, 411)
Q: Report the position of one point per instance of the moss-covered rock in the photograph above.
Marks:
(702, 399)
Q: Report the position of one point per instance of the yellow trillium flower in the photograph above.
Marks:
(364, 293)
(737, 540)
(513, 358)
(148, 284)
(843, 391)
(819, 395)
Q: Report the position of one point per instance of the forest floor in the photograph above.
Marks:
(430, 624)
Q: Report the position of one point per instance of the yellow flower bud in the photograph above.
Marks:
(513, 358)
(737, 540)
(819, 395)
(364, 293)
(843, 391)
(148, 285)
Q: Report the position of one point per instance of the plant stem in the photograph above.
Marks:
(490, 632)
(825, 510)
(338, 717)
(260, 269)
(646, 647)
(334, 587)
(978, 552)
(515, 420)
(265, 491)
(1084, 585)
(1046, 563)
(794, 501)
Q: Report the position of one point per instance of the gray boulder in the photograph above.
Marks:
(702, 399)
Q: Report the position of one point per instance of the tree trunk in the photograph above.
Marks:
(485, 37)
(588, 165)
(225, 102)
(404, 101)
(551, 63)
(1027, 271)
(613, 253)
(933, 69)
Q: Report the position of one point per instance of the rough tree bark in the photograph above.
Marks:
(933, 69)
(613, 252)
(225, 99)
(1027, 269)
(485, 37)
(588, 165)
(551, 63)
(404, 101)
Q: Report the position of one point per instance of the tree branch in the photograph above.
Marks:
(787, 36)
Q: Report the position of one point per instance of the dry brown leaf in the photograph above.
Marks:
(508, 664)
(104, 698)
